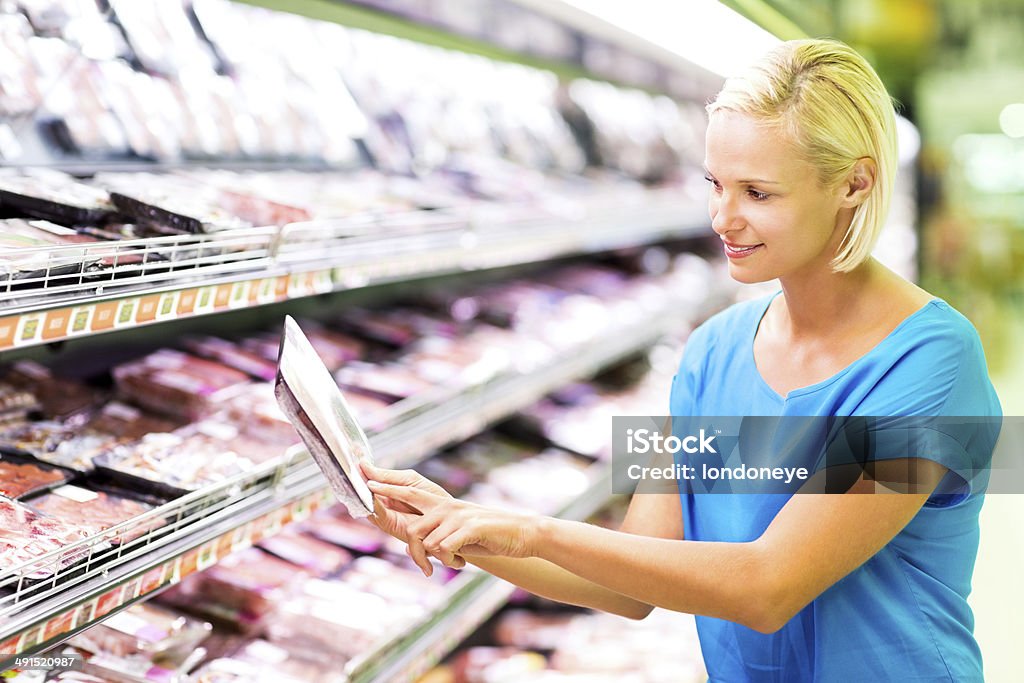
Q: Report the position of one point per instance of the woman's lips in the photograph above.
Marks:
(737, 251)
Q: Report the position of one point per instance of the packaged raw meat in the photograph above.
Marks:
(144, 629)
(20, 476)
(15, 402)
(174, 201)
(259, 661)
(66, 443)
(26, 535)
(96, 511)
(346, 532)
(312, 619)
(129, 422)
(178, 384)
(59, 398)
(317, 409)
(303, 550)
(232, 355)
(243, 587)
(172, 464)
(389, 380)
(334, 348)
(54, 196)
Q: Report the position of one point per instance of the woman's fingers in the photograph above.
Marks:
(416, 498)
(418, 529)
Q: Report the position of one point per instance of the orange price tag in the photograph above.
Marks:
(281, 288)
(56, 324)
(187, 301)
(103, 316)
(8, 326)
(222, 296)
(147, 309)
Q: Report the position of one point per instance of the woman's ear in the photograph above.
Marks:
(859, 182)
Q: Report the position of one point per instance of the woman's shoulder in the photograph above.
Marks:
(938, 325)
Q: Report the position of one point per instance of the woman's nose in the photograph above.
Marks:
(724, 215)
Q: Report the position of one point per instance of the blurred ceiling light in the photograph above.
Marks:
(705, 32)
(1011, 120)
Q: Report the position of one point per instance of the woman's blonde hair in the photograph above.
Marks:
(837, 111)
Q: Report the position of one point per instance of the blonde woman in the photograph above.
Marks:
(801, 159)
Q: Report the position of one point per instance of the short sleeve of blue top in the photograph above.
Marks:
(903, 615)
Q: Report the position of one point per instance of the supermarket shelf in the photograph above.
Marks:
(202, 527)
(473, 597)
(203, 274)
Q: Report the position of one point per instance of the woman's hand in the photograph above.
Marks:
(448, 528)
(392, 516)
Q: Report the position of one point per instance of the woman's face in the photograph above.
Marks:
(767, 204)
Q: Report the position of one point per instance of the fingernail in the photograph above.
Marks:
(373, 484)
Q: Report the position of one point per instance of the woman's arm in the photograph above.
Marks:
(813, 542)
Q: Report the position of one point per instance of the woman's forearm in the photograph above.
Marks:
(555, 583)
(724, 580)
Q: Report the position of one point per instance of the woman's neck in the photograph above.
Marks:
(826, 303)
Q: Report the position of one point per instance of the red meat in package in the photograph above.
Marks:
(178, 384)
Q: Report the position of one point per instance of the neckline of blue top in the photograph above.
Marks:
(811, 388)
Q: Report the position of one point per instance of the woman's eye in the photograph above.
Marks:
(713, 182)
(758, 196)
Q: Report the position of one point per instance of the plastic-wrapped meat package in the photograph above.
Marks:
(26, 535)
(53, 196)
(233, 356)
(259, 661)
(257, 416)
(541, 483)
(178, 384)
(20, 476)
(313, 403)
(144, 629)
(23, 255)
(128, 422)
(96, 511)
(397, 585)
(333, 615)
(303, 550)
(387, 380)
(384, 327)
(66, 444)
(242, 588)
(59, 397)
(334, 348)
(259, 211)
(340, 529)
(15, 402)
(171, 200)
(170, 464)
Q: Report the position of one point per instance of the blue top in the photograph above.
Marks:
(903, 615)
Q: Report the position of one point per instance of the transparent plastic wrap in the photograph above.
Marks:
(26, 535)
(315, 405)
(96, 511)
